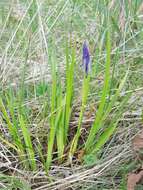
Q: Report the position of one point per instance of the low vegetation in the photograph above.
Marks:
(70, 93)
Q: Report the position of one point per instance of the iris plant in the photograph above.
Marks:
(85, 89)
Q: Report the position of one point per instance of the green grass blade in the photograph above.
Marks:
(105, 92)
(111, 128)
(12, 129)
(85, 91)
(60, 130)
(115, 97)
(28, 142)
(69, 90)
(52, 132)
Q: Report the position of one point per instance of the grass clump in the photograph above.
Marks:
(60, 106)
(60, 103)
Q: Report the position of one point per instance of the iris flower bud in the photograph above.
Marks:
(86, 59)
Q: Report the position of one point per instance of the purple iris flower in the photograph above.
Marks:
(86, 58)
